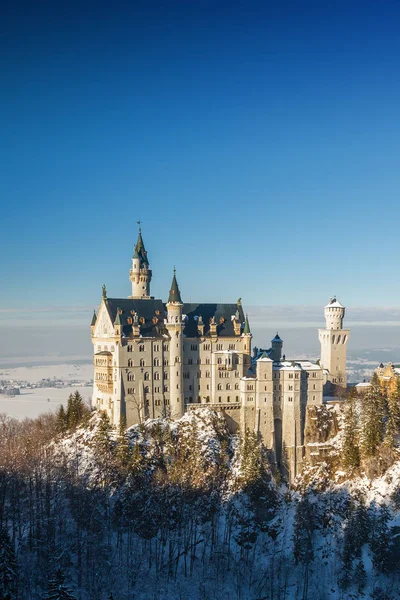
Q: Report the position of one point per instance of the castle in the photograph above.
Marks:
(153, 359)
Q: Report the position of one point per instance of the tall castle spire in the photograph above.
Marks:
(174, 293)
(174, 324)
(140, 274)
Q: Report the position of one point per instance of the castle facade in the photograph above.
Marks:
(154, 359)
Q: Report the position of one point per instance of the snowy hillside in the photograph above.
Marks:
(174, 510)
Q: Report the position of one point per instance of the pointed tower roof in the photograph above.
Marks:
(94, 319)
(277, 338)
(140, 250)
(174, 293)
(246, 325)
(117, 318)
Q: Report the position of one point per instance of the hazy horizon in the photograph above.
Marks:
(55, 334)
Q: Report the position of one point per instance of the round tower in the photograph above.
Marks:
(174, 324)
(334, 314)
(140, 273)
(333, 340)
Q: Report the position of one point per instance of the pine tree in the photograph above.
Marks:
(373, 418)
(360, 576)
(380, 540)
(61, 420)
(76, 410)
(393, 423)
(251, 459)
(124, 452)
(351, 453)
(104, 449)
(56, 590)
(8, 567)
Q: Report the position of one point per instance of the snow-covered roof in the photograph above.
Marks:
(334, 304)
(296, 365)
(308, 365)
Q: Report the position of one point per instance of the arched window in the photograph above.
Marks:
(156, 362)
(146, 389)
(219, 361)
(142, 363)
(146, 376)
(131, 377)
(219, 387)
(141, 347)
(130, 362)
(236, 386)
(157, 376)
(228, 386)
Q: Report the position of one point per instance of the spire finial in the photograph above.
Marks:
(104, 292)
(139, 223)
(174, 270)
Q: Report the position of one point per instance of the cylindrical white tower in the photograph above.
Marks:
(174, 324)
(333, 340)
(334, 314)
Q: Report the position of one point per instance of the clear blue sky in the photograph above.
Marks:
(257, 141)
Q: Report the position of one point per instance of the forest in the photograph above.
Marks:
(182, 509)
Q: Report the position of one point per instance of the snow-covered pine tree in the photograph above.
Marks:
(56, 590)
(373, 418)
(251, 460)
(393, 423)
(350, 451)
(360, 576)
(104, 450)
(124, 451)
(380, 538)
(8, 568)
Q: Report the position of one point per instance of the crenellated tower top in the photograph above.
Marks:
(334, 314)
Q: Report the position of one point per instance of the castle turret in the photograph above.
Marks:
(174, 324)
(333, 340)
(140, 274)
(276, 345)
(247, 336)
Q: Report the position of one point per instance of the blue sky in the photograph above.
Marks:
(257, 141)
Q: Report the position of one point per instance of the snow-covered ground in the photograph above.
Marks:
(35, 373)
(34, 402)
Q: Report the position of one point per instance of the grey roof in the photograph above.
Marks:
(174, 293)
(146, 309)
(153, 325)
(140, 251)
(222, 314)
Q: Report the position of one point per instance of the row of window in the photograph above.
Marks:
(141, 347)
(227, 387)
(103, 377)
(157, 390)
(165, 347)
